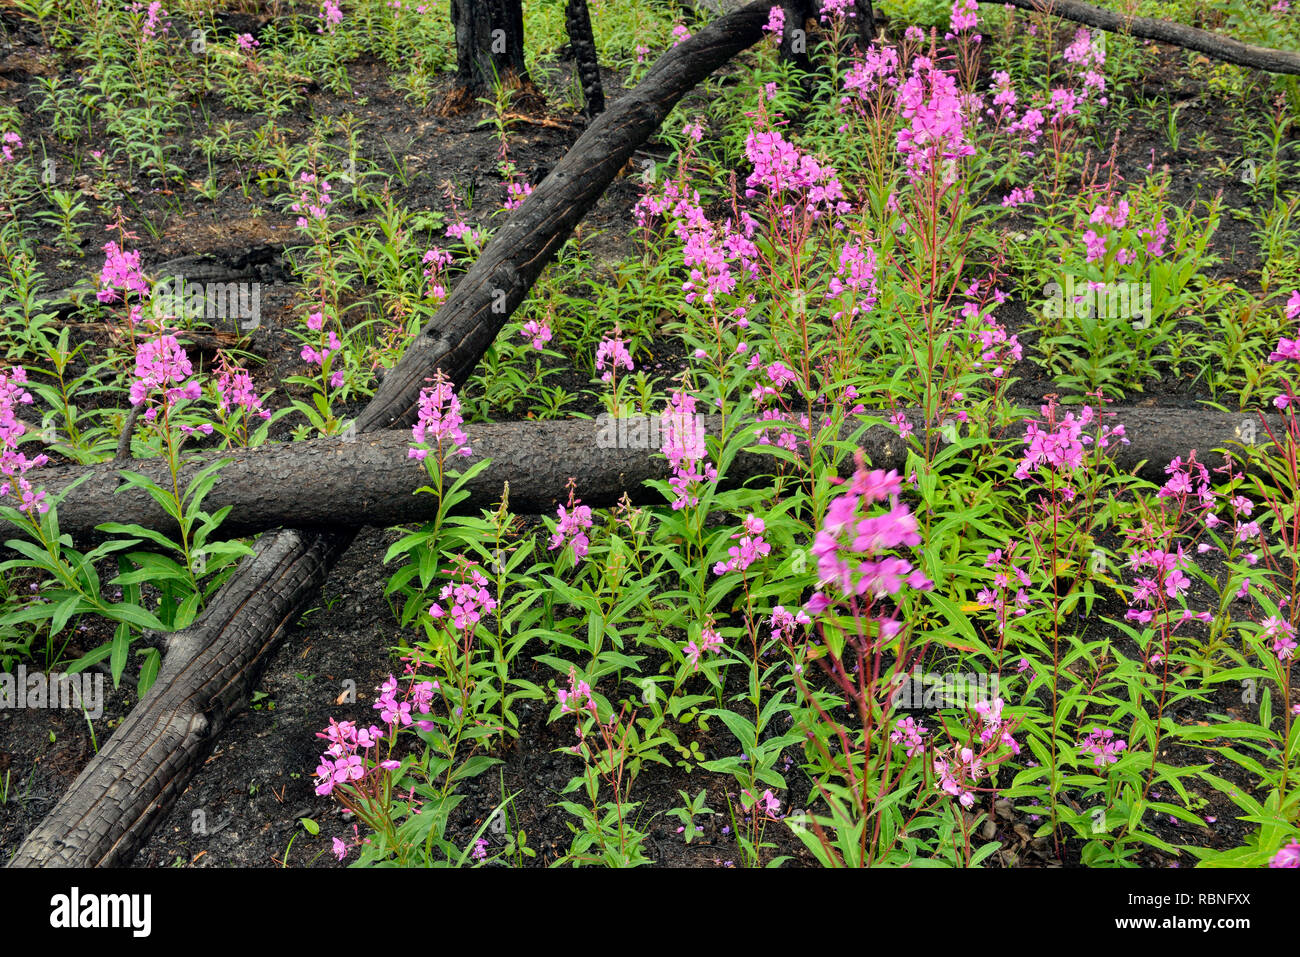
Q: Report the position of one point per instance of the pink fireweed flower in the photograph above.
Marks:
(935, 134)
(153, 14)
(1004, 95)
(1115, 216)
(1168, 577)
(14, 464)
(573, 521)
(235, 391)
(1288, 856)
(855, 273)
(330, 15)
(121, 271)
(684, 447)
(1293, 305)
(539, 332)
(999, 596)
(614, 352)
(709, 641)
(1095, 245)
(436, 262)
(1059, 446)
(468, 600)
(392, 712)
(465, 233)
(992, 725)
(313, 200)
(775, 21)
(8, 143)
(909, 734)
(779, 167)
(1018, 196)
(516, 193)
(878, 69)
(1180, 484)
(964, 15)
(1087, 56)
(1102, 744)
(767, 803)
(246, 42)
(1030, 125)
(846, 534)
(439, 422)
(956, 775)
(341, 763)
(1156, 246)
(899, 421)
(783, 622)
(161, 365)
(326, 346)
(1283, 635)
(1288, 350)
(680, 34)
(837, 8)
(577, 697)
(751, 548)
(1064, 104)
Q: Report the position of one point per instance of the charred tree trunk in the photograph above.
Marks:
(583, 41)
(489, 49)
(794, 38)
(865, 15)
(125, 790)
(304, 482)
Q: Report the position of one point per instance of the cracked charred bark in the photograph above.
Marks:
(489, 44)
(126, 788)
(583, 41)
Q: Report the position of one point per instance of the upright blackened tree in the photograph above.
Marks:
(489, 48)
(583, 43)
(865, 17)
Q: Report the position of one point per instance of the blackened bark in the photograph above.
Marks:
(583, 41)
(206, 676)
(371, 481)
(489, 43)
(865, 16)
(794, 38)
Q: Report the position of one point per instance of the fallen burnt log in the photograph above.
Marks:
(260, 263)
(371, 481)
(1144, 28)
(1165, 31)
(206, 674)
(102, 820)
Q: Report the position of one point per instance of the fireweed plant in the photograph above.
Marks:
(868, 247)
(181, 570)
(847, 265)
